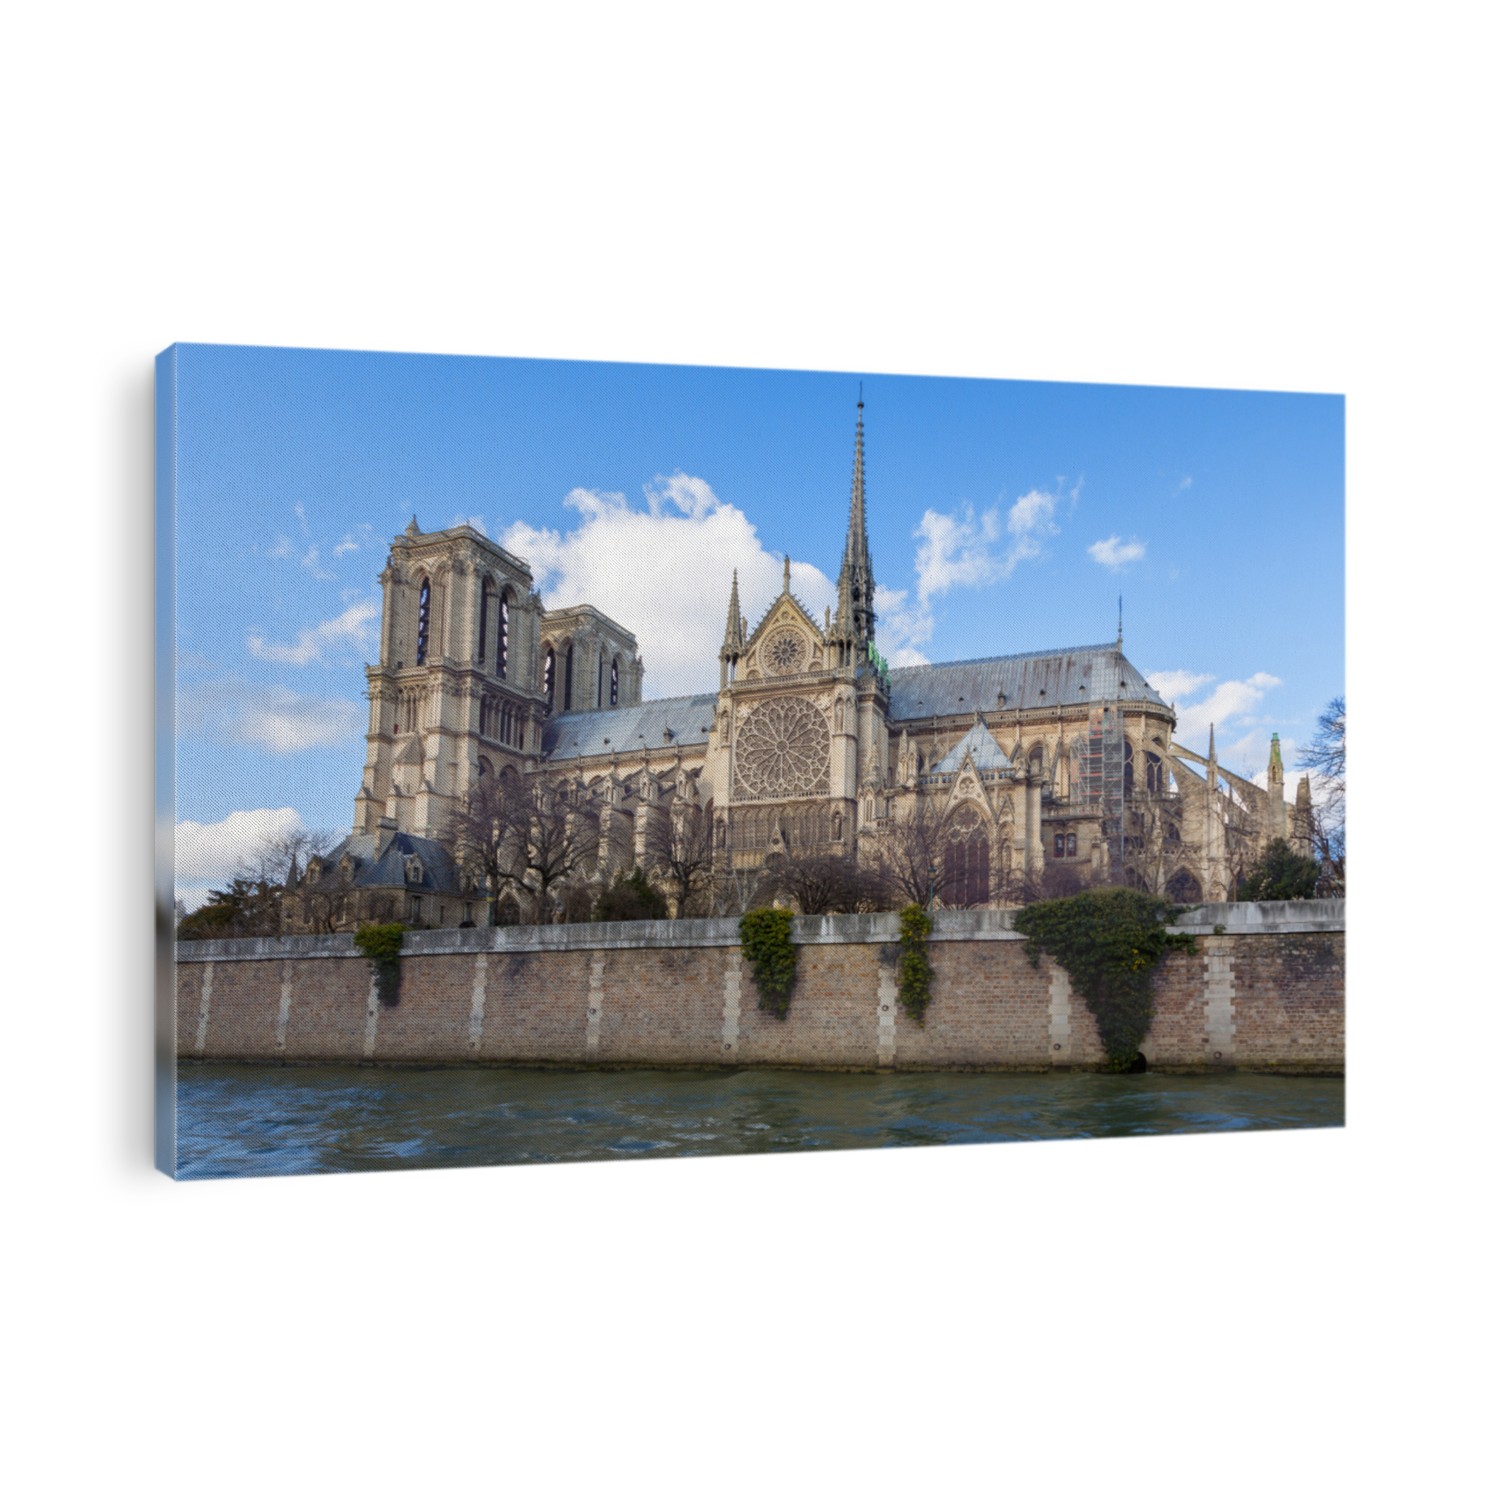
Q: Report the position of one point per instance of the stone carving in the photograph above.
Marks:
(782, 751)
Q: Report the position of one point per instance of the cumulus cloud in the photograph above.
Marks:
(902, 627)
(1227, 707)
(353, 628)
(208, 855)
(1114, 553)
(272, 717)
(662, 569)
(1175, 685)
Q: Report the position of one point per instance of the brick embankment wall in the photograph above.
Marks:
(1264, 992)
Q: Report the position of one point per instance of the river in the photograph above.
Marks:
(250, 1120)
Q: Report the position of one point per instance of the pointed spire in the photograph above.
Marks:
(1274, 770)
(1120, 628)
(1213, 758)
(734, 630)
(786, 573)
(857, 571)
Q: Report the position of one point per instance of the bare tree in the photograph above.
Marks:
(525, 836)
(821, 883)
(679, 851)
(1154, 847)
(278, 858)
(1324, 758)
(909, 858)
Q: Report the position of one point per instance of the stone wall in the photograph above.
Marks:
(1265, 991)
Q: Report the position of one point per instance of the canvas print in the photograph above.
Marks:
(571, 761)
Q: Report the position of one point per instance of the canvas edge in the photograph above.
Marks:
(164, 721)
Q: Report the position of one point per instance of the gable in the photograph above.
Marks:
(786, 641)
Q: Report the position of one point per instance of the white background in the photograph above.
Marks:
(1287, 196)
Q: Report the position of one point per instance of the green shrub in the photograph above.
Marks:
(766, 940)
(631, 898)
(1280, 875)
(914, 985)
(1110, 943)
(380, 942)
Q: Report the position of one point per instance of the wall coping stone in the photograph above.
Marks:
(1238, 919)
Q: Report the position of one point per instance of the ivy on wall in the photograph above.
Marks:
(766, 940)
(914, 973)
(380, 942)
(1110, 943)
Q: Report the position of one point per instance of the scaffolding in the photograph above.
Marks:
(1104, 782)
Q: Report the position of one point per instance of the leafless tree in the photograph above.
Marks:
(679, 852)
(1154, 847)
(909, 858)
(528, 836)
(1324, 758)
(279, 858)
(821, 883)
(731, 892)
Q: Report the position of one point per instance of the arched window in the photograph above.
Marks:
(424, 619)
(549, 678)
(1183, 889)
(1036, 758)
(1129, 769)
(502, 644)
(966, 862)
(568, 678)
(614, 682)
(1153, 772)
(484, 620)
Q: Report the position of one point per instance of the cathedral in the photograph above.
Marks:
(1031, 773)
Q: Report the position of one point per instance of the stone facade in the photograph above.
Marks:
(1036, 772)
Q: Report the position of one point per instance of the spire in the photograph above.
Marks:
(1213, 759)
(1274, 770)
(786, 573)
(1120, 628)
(734, 630)
(857, 570)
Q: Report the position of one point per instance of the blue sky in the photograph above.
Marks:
(1004, 516)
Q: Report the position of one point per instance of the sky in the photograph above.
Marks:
(1004, 516)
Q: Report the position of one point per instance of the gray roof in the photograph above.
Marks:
(1030, 679)
(627, 729)
(438, 872)
(979, 744)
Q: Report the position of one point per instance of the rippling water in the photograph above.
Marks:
(249, 1121)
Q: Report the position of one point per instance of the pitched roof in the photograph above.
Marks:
(622, 731)
(980, 745)
(389, 867)
(1029, 679)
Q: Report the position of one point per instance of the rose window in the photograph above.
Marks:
(785, 652)
(782, 751)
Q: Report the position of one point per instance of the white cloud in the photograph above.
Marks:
(352, 628)
(345, 546)
(901, 627)
(1185, 483)
(281, 548)
(1175, 685)
(1113, 553)
(208, 855)
(301, 516)
(1227, 708)
(309, 560)
(663, 571)
(477, 522)
(286, 722)
(272, 717)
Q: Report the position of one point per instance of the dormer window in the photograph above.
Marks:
(413, 870)
(346, 867)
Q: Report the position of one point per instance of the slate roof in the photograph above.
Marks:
(980, 745)
(438, 872)
(584, 732)
(1029, 679)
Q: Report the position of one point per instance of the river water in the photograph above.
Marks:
(252, 1121)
